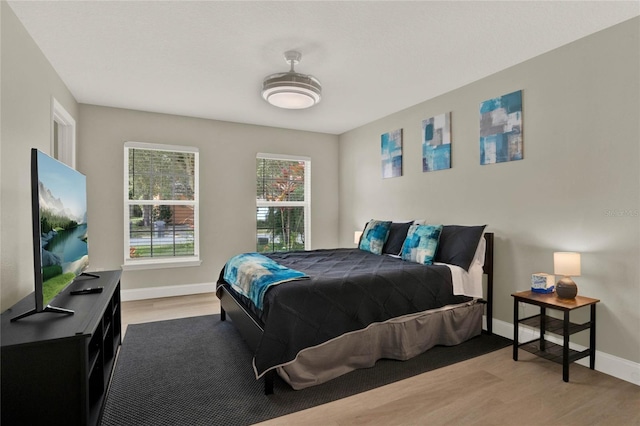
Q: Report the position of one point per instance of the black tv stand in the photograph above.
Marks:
(48, 308)
(56, 369)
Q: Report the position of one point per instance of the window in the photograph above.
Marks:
(63, 134)
(161, 205)
(283, 203)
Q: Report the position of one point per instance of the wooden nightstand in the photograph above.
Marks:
(561, 327)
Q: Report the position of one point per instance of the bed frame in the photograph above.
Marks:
(251, 329)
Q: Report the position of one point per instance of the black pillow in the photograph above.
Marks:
(458, 245)
(395, 240)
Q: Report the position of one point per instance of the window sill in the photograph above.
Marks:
(136, 265)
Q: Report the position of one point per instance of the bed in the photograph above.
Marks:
(352, 307)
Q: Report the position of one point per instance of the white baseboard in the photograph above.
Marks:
(166, 291)
(612, 365)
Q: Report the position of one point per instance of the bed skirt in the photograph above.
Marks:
(399, 338)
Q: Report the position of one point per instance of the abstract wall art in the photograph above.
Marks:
(391, 150)
(436, 143)
(501, 129)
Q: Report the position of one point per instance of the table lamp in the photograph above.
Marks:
(356, 237)
(566, 264)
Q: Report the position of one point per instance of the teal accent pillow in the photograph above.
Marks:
(374, 236)
(421, 243)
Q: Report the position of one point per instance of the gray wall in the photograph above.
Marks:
(28, 85)
(577, 188)
(227, 185)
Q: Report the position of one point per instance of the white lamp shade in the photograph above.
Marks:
(566, 264)
(356, 237)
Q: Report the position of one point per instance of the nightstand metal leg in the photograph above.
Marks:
(565, 348)
(543, 327)
(516, 325)
(592, 338)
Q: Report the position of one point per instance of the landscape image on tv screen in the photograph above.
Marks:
(62, 199)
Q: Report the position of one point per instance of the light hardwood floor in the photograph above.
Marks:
(141, 311)
(488, 390)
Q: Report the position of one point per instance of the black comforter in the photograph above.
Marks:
(348, 290)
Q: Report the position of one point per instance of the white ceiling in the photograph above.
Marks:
(208, 58)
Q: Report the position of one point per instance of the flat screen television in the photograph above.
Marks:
(59, 222)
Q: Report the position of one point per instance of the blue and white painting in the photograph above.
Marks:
(501, 129)
(436, 143)
(391, 144)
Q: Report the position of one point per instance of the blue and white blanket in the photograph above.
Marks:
(251, 274)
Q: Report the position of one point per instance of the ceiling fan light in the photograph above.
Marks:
(290, 100)
(291, 90)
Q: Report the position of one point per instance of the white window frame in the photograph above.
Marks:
(307, 193)
(66, 134)
(162, 262)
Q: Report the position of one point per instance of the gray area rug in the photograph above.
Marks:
(198, 371)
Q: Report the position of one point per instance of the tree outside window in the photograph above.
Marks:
(282, 203)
